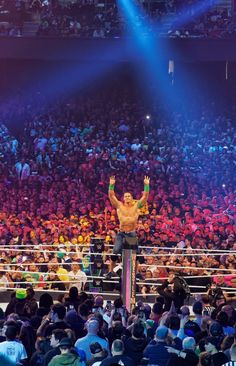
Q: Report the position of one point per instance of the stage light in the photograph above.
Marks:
(171, 67)
(148, 116)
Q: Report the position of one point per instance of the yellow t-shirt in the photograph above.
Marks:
(63, 274)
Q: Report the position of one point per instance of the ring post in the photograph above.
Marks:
(129, 273)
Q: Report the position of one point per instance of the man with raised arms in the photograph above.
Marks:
(128, 212)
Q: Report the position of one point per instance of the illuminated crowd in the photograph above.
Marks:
(54, 185)
(57, 229)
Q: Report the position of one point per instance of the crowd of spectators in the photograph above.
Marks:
(85, 19)
(217, 23)
(97, 19)
(54, 182)
(12, 17)
(81, 329)
(54, 210)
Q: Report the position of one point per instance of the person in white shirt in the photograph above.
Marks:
(12, 349)
(76, 274)
(135, 146)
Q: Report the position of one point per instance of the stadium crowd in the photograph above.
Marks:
(54, 210)
(80, 329)
(54, 182)
(94, 19)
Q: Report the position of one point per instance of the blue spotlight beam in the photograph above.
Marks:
(134, 11)
(190, 13)
(153, 67)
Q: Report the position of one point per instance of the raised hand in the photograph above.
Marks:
(112, 179)
(146, 180)
(183, 321)
(172, 308)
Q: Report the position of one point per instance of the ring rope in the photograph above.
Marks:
(230, 289)
(189, 267)
(143, 265)
(193, 249)
(92, 292)
(44, 282)
(106, 253)
(112, 245)
(191, 286)
(183, 255)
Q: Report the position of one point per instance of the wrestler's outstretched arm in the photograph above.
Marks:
(111, 194)
(143, 200)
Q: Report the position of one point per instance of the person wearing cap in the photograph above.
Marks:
(17, 303)
(66, 357)
(98, 354)
(156, 350)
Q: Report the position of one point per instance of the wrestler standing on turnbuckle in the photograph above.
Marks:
(128, 213)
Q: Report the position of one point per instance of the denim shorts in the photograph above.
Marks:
(120, 239)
